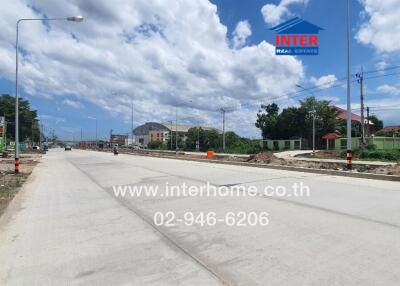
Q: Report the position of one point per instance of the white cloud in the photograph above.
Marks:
(274, 14)
(325, 81)
(388, 89)
(241, 33)
(382, 29)
(152, 52)
(72, 103)
(381, 65)
(50, 118)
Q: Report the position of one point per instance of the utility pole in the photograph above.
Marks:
(97, 142)
(313, 139)
(349, 145)
(360, 80)
(223, 110)
(176, 130)
(368, 134)
(198, 139)
(170, 132)
(132, 122)
(33, 122)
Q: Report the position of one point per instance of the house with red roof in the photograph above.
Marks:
(342, 114)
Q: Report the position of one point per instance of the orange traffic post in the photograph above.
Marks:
(16, 165)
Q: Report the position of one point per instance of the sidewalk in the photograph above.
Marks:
(291, 155)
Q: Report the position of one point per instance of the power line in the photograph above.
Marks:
(304, 91)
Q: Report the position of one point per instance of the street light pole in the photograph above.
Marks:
(132, 122)
(313, 117)
(198, 139)
(223, 110)
(176, 129)
(72, 19)
(313, 139)
(97, 143)
(349, 147)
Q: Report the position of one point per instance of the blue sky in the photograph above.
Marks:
(190, 59)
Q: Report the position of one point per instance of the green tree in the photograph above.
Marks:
(295, 122)
(212, 140)
(181, 144)
(267, 118)
(326, 118)
(29, 126)
(377, 124)
(155, 144)
(290, 123)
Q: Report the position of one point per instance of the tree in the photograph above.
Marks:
(378, 124)
(290, 123)
(212, 140)
(173, 138)
(326, 118)
(192, 136)
(28, 121)
(267, 118)
(155, 144)
(296, 122)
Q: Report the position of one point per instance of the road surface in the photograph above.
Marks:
(68, 227)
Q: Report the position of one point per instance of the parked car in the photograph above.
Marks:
(68, 148)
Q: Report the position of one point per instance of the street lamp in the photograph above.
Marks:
(71, 19)
(313, 113)
(176, 127)
(95, 118)
(349, 147)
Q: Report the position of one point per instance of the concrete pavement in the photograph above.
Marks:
(67, 227)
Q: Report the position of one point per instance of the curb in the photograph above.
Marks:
(370, 176)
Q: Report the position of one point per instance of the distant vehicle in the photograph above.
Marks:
(45, 148)
(68, 148)
(35, 147)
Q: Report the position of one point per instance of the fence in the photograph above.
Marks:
(381, 143)
(294, 144)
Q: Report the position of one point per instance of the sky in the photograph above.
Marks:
(156, 58)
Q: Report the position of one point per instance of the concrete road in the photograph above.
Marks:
(68, 227)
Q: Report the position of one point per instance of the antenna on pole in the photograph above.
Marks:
(360, 80)
(224, 110)
(132, 122)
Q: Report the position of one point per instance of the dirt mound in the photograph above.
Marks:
(263, 157)
(393, 170)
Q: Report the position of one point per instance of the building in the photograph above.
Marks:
(141, 134)
(395, 128)
(342, 114)
(153, 131)
(159, 135)
(118, 139)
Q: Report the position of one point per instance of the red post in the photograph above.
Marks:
(349, 159)
(16, 165)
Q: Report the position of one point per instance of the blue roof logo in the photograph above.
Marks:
(296, 26)
(297, 37)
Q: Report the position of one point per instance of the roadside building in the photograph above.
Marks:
(141, 134)
(153, 131)
(118, 139)
(394, 128)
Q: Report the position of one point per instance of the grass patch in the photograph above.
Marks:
(9, 185)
